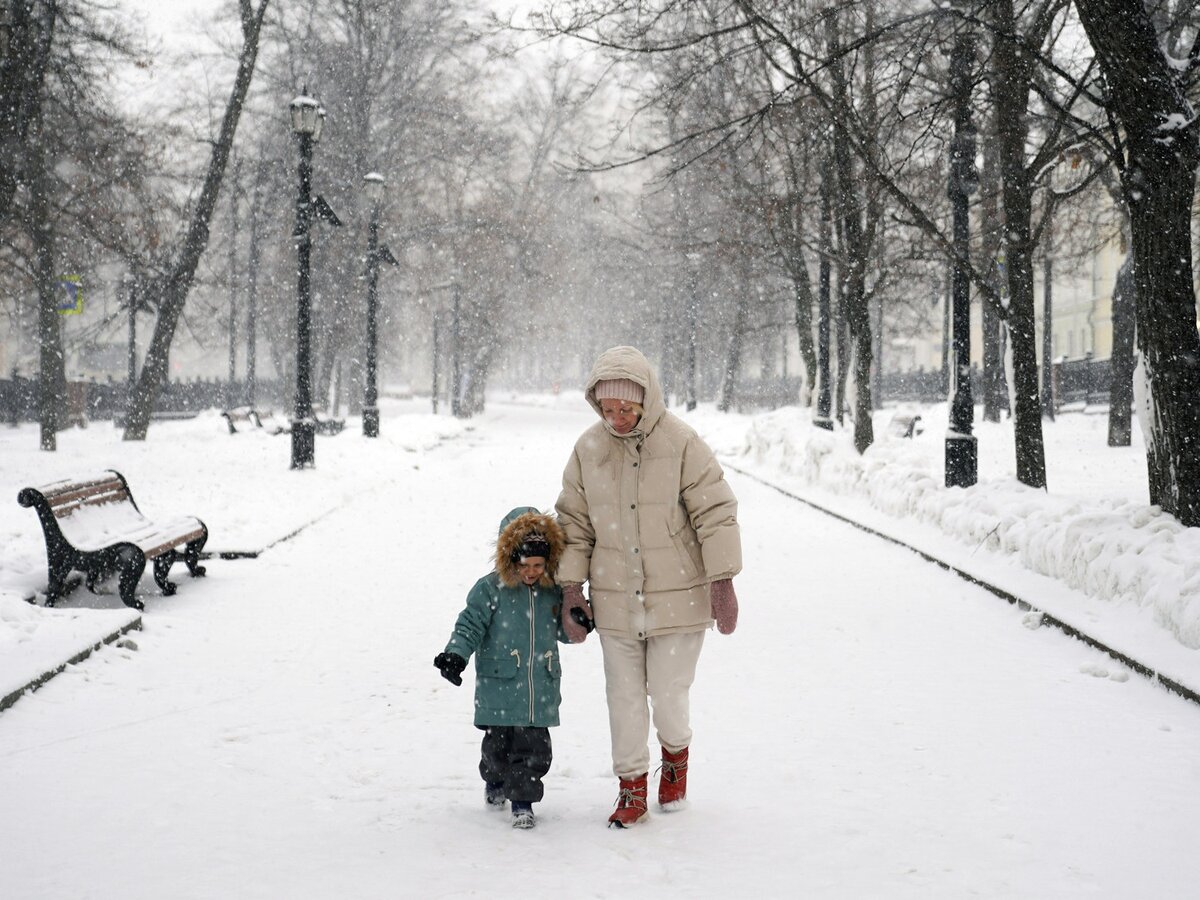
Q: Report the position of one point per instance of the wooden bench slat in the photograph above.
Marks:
(51, 488)
(62, 510)
(160, 549)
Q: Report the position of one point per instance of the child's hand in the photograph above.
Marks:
(451, 666)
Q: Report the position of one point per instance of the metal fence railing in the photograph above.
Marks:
(1075, 381)
(97, 401)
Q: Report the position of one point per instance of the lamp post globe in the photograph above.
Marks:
(307, 120)
(373, 187)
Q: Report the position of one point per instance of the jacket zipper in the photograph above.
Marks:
(532, 649)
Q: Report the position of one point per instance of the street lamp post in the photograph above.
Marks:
(962, 451)
(307, 121)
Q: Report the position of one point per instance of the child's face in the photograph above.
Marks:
(531, 569)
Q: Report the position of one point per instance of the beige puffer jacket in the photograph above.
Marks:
(649, 518)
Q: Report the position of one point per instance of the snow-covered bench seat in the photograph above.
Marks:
(92, 525)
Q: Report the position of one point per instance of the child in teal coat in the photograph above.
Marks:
(511, 625)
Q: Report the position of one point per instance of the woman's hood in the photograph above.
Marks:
(628, 362)
(514, 529)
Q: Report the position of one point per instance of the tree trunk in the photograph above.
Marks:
(22, 76)
(252, 267)
(995, 383)
(733, 354)
(1147, 97)
(843, 353)
(1011, 84)
(823, 418)
(1166, 330)
(856, 239)
(802, 291)
(173, 288)
(692, 323)
(52, 378)
(1120, 391)
(876, 398)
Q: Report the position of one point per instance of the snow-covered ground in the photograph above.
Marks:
(875, 727)
(1090, 551)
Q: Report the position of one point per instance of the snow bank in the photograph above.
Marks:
(1113, 549)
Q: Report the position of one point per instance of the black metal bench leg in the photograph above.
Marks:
(191, 556)
(162, 565)
(132, 564)
(56, 586)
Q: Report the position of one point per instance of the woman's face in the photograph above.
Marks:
(622, 415)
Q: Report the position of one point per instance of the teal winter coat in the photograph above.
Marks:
(513, 631)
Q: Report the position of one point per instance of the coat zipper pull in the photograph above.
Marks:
(549, 654)
(517, 654)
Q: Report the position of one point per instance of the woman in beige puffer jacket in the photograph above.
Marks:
(651, 525)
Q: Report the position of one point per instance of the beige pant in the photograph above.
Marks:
(662, 669)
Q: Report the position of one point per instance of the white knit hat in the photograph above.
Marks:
(620, 389)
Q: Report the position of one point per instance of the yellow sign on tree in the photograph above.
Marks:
(70, 299)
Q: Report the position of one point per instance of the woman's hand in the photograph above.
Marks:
(724, 605)
(573, 599)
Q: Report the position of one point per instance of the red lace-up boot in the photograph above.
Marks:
(672, 784)
(631, 803)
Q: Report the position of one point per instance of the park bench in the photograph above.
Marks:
(329, 427)
(241, 415)
(905, 426)
(93, 526)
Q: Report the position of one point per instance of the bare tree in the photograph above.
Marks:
(170, 289)
(68, 206)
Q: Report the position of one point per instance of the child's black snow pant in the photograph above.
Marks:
(517, 758)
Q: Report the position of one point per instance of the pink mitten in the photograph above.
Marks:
(724, 605)
(573, 599)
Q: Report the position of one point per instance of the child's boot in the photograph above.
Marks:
(493, 794)
(522, 814)
(631, 803)
(672, 785)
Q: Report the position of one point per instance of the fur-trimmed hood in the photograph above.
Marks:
(515, 527)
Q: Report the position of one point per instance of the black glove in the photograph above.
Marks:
(451, 666)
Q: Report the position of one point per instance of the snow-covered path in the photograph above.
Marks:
(875, 728)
